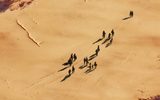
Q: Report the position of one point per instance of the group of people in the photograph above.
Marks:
(108, 39)
(69, 63)
(87, 63)
(72, 59)
(91, 67)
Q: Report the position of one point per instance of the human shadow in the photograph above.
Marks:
(89, 70)
(66, 77)
(106, 40)
(69, 62)
(92, 56)
(70, 72)
(83, 66)
(130, 15)
(63, 69)
(95, 54)
(103, 36)
(108, 44)
(126, 18)
(98, 40)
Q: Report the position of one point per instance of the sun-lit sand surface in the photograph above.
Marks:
(127, 70)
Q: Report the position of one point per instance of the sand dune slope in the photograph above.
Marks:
(127, 70)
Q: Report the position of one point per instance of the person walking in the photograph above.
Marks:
(131, 14)
(69, 72)
(87, 60)
(95, 65)
(74, 57)
(112, 33)
(97, 50)
(84, 61)
(103, 34)
(73, 69)
(70, 62)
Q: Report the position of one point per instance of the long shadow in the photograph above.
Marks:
(106, 40)
(83, 66)
(63, 69)
(126, 18)
(66, 63)
(66, 77)
(89, 70)
(92, 57)
(98, 40)
(107, 45)
(69, 62)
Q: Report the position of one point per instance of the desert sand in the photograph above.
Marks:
(127, 70)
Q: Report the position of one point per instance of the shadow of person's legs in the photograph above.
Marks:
(98, 40)
(63, 68)
(108, 44)
(66, 63)
(106, 40)
(87, 71)
(83, 66)
(126, 18)
(90, 70)
(93, 55)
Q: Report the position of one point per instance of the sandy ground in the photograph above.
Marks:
(126, 70)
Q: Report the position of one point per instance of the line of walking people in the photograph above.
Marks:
(106, 40)
(87, 61)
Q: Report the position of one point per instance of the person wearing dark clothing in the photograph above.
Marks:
(87, 61)
(95, 63)
(92, 67)
(103, 34)
(89, 66)
(109, 36)
(84, 60)
(70, 62)
(75, 57)
(112, 33)
(69, 72)
(131, 14)
(97, 50)
(73, 69)
(71, 56)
